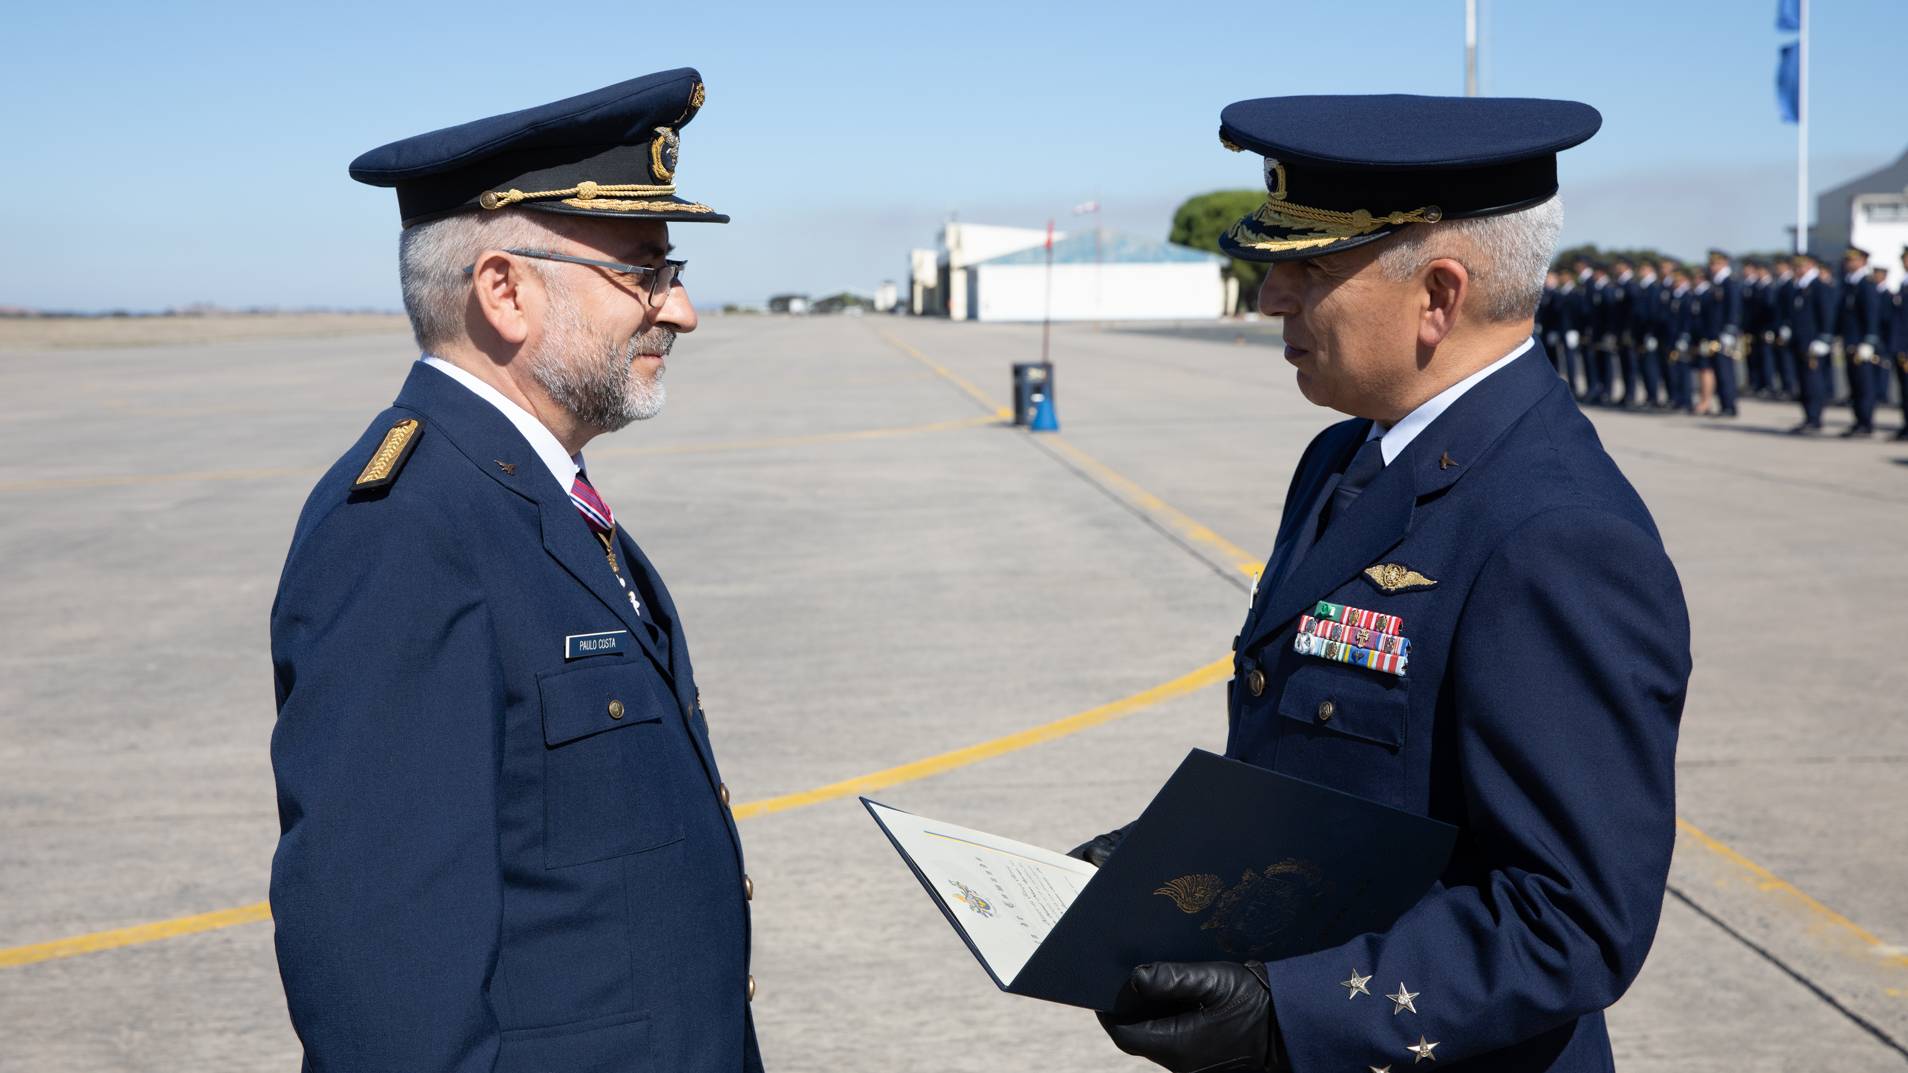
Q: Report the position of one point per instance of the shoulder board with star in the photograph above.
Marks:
(388, 460)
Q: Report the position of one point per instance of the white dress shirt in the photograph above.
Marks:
(1399, 436)
(561, 464)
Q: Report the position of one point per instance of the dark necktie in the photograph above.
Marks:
(602, 522)
(1368, 463)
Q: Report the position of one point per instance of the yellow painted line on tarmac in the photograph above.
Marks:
(1216, 671)
(1172, 517)
(880, 780)
(948, 375)
(1769, 883)
(138, 933)
(712, 447)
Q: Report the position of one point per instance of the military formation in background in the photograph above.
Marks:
(1680, 338)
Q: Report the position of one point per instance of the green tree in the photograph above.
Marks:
(1198, 223)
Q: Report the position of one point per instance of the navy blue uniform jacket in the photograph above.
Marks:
(485, 864)
(1548, 666)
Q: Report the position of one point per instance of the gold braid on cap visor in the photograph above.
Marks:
(593, 195)
(1325, 226)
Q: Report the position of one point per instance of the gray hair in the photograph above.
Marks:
(1507, 255)
(432, 258)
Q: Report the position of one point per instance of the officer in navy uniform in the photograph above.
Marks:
(506, 847)
(1572, 307)
(1781, 314)
(1646, 326)
(1812, 307)
(1898, 344)
(1858, 322)
(1722, 330)
(1548, 643)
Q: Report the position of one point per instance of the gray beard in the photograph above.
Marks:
(592, 378)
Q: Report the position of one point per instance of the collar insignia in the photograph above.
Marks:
(509, 468)
(1445, 461)
(1396, 577)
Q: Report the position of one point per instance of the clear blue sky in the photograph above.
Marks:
(162, 154)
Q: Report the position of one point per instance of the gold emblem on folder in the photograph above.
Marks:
(1252, 914)
(1396, 577)
(1193, 894)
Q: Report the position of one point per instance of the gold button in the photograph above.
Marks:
(722, 794)
(1326, 709)
(616, 709)
(751, 988)
(748, 889)
(1255, 681)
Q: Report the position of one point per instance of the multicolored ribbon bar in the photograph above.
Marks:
(1358, 636)
(1311, 644)
(1352, 616)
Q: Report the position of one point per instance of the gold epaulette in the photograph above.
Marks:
(390, 456)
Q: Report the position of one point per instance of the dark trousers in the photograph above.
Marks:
(1812, 383)
(1786, 369)
(1677, 374)
(1901, 386)
(1862, 383)
(1726, 381)
(1650, 362)
(1626, 368)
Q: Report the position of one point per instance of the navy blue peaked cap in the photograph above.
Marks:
(1342, 171)
(609, 152)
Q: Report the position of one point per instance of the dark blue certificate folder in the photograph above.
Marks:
(1230, 862)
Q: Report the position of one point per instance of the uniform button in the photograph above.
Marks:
(616, 709)
(722, 794)
(1255, 681)
(748, 889)
(1326, 709)
(751, 988)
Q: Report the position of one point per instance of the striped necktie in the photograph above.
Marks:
(602, 523)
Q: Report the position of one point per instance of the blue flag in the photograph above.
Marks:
(1789, 15)
(1789, 83)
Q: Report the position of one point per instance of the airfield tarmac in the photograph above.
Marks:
(876, 572)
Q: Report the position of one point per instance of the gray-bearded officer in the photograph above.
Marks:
(505, 846)
(1469, 506)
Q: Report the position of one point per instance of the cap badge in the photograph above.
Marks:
(662, 153)
(1275, 178)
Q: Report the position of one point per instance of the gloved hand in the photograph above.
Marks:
(1572, 338)
(1198, 1015)
(1786, 333)
(1649, 343)
(1682, 343)
(1728, 342)
(1097, 850)
(1819, 348)
(1866, 352)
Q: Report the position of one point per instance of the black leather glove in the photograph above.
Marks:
(1099, 849)
(1192, 1016)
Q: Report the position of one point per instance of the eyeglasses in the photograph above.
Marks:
(655, 282)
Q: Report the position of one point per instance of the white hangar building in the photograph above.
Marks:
(1098, 276)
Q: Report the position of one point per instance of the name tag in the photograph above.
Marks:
(578, 645)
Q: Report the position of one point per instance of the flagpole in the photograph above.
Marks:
(1802, 134)
(1470, 48)
(1046, 315)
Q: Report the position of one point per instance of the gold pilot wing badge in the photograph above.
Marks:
(1397, 577)
(390, 456)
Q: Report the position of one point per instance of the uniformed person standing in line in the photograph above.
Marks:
(1898, 343)
(505, 844)
(1812, 308)
(1759, 363)
(1858, 327)
(1624, 288)
(1646, 315)
(1548, 644)
(1677, 373)
(1723, 331)
(1604, 321)
(1702, 347)
(1571, 304)
(1781, 315)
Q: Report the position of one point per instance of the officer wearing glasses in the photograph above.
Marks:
(505, 842)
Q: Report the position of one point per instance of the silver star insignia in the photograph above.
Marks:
(1356, 985)
(1401, 1001)
(1423, 1051)
(1379, 1069)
